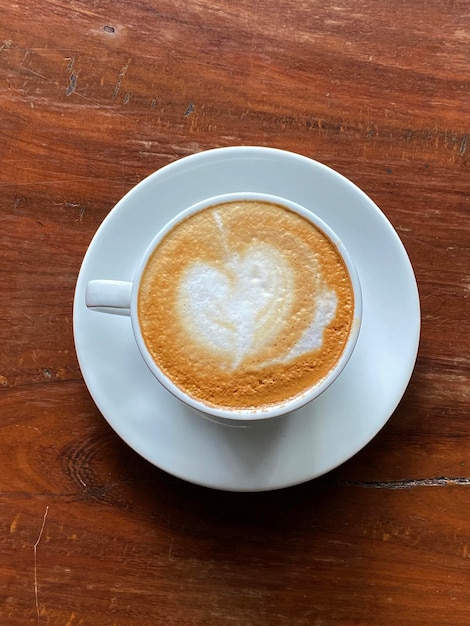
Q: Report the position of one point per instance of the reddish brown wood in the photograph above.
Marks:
(94, 97)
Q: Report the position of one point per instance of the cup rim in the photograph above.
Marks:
(236, 415)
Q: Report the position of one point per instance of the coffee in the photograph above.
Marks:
(245, 305)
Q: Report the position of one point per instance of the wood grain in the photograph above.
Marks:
(93, 98)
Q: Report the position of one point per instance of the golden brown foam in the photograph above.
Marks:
(262, 373)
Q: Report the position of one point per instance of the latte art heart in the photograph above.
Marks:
(245, 304)
(240, 305)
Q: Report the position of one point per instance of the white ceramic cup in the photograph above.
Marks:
(120, 297)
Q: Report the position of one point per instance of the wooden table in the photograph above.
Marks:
(94, 96)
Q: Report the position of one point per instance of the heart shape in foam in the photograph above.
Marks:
(240, 305)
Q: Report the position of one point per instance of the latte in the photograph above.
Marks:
(245, 305)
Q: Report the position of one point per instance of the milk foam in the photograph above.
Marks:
(240, 305)
(312, 339)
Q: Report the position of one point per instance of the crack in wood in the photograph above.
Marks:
(35, 549)
(410, 483)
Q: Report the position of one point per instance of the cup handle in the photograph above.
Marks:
(109, 296)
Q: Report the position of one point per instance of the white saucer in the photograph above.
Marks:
(280, 452)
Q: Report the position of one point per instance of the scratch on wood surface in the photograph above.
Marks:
(14, 524)
(171, 549)
(35, 550)
(72, 85)
(25, 56)
(48, 80)
(189, 109)
(122, 75)
(71, 619)
(70, 65)
(463, 145)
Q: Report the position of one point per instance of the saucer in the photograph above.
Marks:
(269, 454)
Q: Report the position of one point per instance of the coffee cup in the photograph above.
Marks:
(245, 306)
